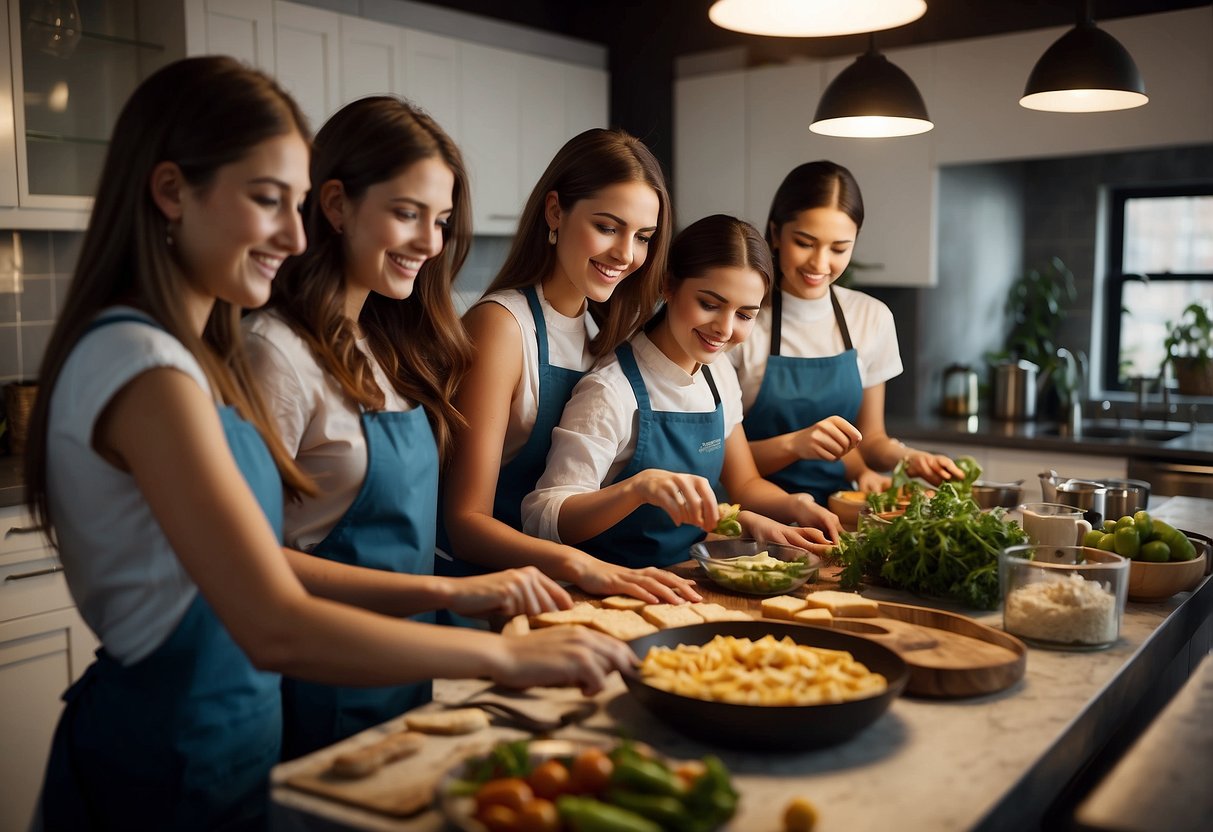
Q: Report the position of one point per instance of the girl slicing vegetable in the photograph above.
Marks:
(648, 434)
(155, 466)
(581, 277)
(813, 374)
(358, 359)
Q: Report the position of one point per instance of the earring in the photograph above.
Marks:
(168, 235)
(552, 237)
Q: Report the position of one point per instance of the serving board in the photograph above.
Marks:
(950, 656)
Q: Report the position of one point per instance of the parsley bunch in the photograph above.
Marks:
(943, 546)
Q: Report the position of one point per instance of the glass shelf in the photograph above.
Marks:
(120, 41)
(39, 136)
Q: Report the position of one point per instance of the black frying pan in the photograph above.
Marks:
(762, 726)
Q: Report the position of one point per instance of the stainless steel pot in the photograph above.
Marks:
(1015, 391)
(994, 494)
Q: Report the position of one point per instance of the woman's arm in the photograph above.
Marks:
(525, 591)
(484, 399)
(746, 486)
(163, 429)
(828, 439)
(882, 453)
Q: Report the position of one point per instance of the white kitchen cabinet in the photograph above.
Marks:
(432, 78)
(491, 138)
(586, 95)
(372, 59)
(307, 58)
(243, 29)
(710, 148)
(44, 647)
(8, 145)
(542, 126)
(777, 131)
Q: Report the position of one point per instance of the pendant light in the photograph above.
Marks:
(1085, 71)
(871, 98)
(813, 18)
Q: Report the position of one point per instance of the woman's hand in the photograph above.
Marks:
(562, 656)
(873, 482)
(934, 468)
(770, 531)
(829, 439)
(810, 513)
(525, 591)
(650, 584)
(687, 498)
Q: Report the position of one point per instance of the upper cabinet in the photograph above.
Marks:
(66, 84)
(60, 96)
(307, 50)
(243, 29)
(738, 133)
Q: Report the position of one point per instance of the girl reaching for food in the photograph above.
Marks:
(647, 435)
(581, 276)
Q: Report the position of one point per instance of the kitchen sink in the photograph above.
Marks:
(1142, 432)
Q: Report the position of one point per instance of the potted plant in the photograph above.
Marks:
(1189, 350)
(1035, 307)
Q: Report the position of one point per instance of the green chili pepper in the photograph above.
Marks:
(584, 814)
(646, 776)
(664, 809)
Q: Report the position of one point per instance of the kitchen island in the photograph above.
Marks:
(1001, 761)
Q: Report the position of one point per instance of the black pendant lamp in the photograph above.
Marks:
(1085, 71)
(813, 18)
(871, 98)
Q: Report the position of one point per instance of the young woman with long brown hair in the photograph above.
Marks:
(156, 468)
(358, 357)
(589, 254)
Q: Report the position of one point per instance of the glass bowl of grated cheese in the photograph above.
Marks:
(1063, 597)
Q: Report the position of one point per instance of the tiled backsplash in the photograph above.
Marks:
(27, 315)
(49, 257)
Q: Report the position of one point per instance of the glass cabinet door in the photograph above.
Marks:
(75, 63)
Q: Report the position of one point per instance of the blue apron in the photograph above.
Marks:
(183, 739)
(518, 476)
(798, 392)
(688, 443)
(391, 526)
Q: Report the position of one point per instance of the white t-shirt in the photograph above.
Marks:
(320, 426)
(568, 347)
(809, 331)
(127, 582)
(596, 438)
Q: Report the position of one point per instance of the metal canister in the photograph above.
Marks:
(1015, 391)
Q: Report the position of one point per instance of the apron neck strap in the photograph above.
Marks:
(541, 328)
(707, 376)
(777, 320)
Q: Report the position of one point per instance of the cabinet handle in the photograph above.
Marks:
(21, 530)
(37, 573)
(503, 216)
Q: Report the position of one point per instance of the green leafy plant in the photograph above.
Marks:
(1191, 336)
(1034, 308)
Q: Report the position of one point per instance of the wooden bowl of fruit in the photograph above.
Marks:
(1177, 565)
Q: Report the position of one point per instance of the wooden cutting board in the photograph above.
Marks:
(950, 656)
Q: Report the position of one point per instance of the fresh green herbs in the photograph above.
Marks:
(943, 546)
(903, 486)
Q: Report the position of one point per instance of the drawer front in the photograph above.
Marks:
(17, 534)
(31, 586)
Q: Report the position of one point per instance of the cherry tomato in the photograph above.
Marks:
(592, 771)
(512, 792)
(498, 818)
(550, 780)
(539, 816)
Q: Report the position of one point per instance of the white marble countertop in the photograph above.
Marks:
(991, 762)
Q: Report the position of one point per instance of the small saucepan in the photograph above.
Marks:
(996, 494)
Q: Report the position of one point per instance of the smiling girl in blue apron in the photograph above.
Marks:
(153, 463)
(581, 277)
(359, 357)
(813, 374)
(648, 437)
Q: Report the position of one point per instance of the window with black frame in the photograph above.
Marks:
(1160, 261)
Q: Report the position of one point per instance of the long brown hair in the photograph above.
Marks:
(419, 342)
(587, 163)
(202, 114)
(820, 184)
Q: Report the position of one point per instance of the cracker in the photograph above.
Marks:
(782, 606)
(622, 602)
(716, 612)
(843, 604)
(671, 615)
(624, 625)
(582, 612)
(457, 721)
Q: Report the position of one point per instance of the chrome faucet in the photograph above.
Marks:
(1073, 388)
